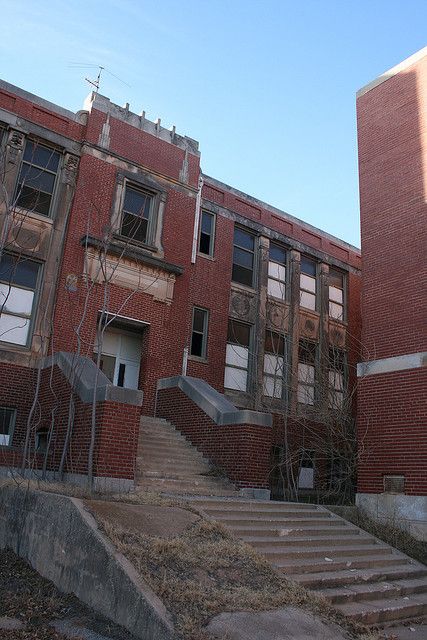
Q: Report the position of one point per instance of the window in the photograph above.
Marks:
(37, 177)
(336, 374)
(308, 283)
(306, 469)
(243, 257)
(306, 371)
(336, 295)
(237, 356)
(7, 424)
(137, 214)
(207, 234)
(18, 284)
(274, 364)
(199, 333)
(277, 272)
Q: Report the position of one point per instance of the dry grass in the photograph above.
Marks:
(206, 571)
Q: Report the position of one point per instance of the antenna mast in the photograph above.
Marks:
(96, 83)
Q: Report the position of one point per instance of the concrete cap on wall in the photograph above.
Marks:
(213, 403)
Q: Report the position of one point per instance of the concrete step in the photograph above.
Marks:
(320, 541)
(181, 448)
(339, 552)
(189, 474)
(322, 581)
(163, 436)
(375, 590)
(184, 484)
(284, 524)
(178, 466)
(265, 514)
(386, 610)
(259, 505)
(188, 493)
(310, 565)
(300, 532)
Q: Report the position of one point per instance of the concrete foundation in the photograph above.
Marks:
(403, 511)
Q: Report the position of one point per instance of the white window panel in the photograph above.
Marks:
(110, 343)
(305, 373)
(306, 478)
(276, 289)
(305, 394)
(336, 380)
(130, 347)
(4, 439)
(235, 379)
(131, 375)
(272, 387)
(308, 283)
(237, 356)
(336, 294)
(336, 311)
(273, 364)
(308, 300)
(277, 271)
(14, 329)
(15, 299)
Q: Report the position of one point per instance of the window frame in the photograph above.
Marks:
(316, 284)
(12, 426)
(304, 383)
(285, 367)
(34, 307)
(254, 236)
(248, 347)
(204, 334)
(212, 237)
(333, 390)
(52, 205)
(344, 295)
(284, 282)
(152, 220)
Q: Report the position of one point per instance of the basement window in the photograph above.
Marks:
(7, 425)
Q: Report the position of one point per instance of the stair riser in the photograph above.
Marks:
(383, 616)
(346, 580)
(301, 543)
(265, 516)
(299, 532)
(377, 594)
(169, 452)
(276, 524)
(317, 567)
(260, 507)
(303, 554)
(179, 485)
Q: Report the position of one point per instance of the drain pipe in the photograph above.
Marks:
(197, 220)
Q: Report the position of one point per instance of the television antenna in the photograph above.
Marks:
(96, 83)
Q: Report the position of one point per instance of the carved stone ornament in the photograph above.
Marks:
(240, 305)
(16, 139)
(71, 163)
(71, 282)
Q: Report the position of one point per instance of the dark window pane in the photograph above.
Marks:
(238, 333)
(37, 178)
(207, 222)
(308, 266)
(197, 344)
(243, 258)
(242, 275)
(34, 200)
(277, 254)
(336, 360)
(107, 365)
(137, 202)
(6, 420)
(41, 156)
(121, 376)
(205, 244)
(274, 343)
(134, 227)
(336, 279)
(244, 239)
(19, 271)
(307, 352)
(199, 320)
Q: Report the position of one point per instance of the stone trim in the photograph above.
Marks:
(390, 365)
(398, 68)
(213, 403)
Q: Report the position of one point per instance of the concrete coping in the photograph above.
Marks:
(390, 365)
(213, 403)
(81, 373)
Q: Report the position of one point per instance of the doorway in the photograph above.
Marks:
(121, 357)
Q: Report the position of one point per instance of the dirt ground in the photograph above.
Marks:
(36, 603)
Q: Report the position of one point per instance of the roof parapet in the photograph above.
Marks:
(398, 68)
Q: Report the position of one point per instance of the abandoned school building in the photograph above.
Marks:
(234, 321)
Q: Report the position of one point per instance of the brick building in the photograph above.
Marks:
(119, 252)
(392, 393)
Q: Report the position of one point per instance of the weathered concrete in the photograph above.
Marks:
(74, 631)
(288, 623)
(398, 509)
(10, 624)
(60, 539)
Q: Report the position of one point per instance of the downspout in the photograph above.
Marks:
(197, 220)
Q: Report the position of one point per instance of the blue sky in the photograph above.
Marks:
(267, 87)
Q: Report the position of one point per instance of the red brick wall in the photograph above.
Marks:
(242, 450)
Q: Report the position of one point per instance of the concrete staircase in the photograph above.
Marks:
(363, 577)
(168, 463)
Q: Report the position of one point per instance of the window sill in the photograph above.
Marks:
(341, 323)
(206, 257)
(33, 214)
(192, 358)
(242, 287)
(129, 242)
